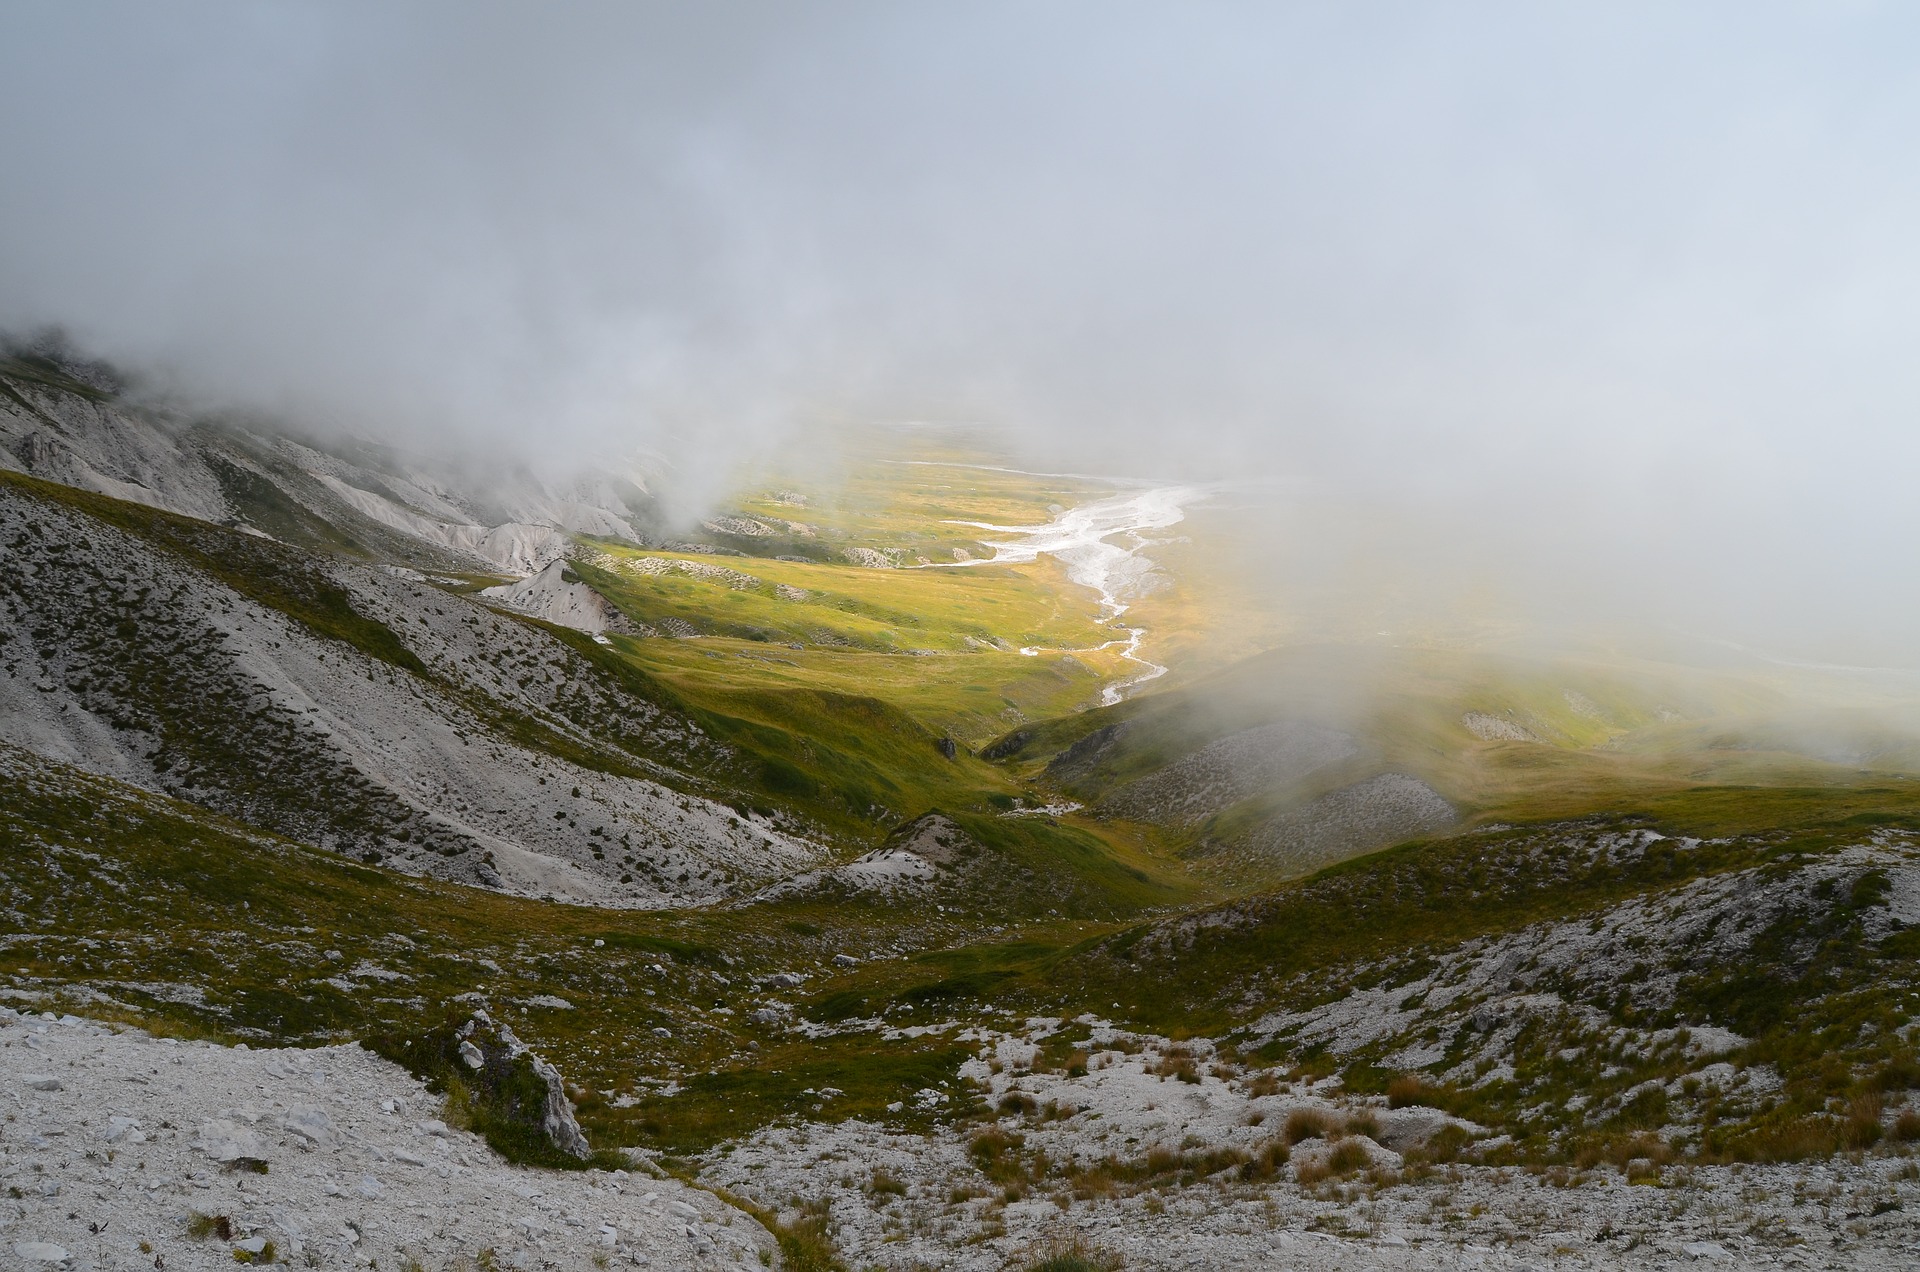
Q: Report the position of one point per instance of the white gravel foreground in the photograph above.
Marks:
(112, 1142)
(940, 1212)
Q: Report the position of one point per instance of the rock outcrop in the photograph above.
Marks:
(558, 595)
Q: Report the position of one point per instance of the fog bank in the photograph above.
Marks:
(1611, 309)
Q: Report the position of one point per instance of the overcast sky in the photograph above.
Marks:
(1566, 291)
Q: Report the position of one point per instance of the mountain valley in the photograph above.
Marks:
(926, 864)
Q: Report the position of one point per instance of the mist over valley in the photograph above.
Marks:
(894, 637)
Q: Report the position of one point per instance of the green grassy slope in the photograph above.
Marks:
(125, 904)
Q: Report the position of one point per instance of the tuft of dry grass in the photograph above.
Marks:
(1345, 1158)
(1266, 1160)
(1177, 1062)
(1409, 1089)
(1861, 1127)
(997, 1154)
(1266, 1082)
(1793, 1140)
(1018, 1104)
(1306, 1124)
(1070, 1254)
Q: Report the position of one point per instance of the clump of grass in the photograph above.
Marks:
(1906, 1127)
(1344, 1158)
(1901, 1072)
(806, 1244)
(1266, 1161)
(1177, 1062)
(1410, 1089)
(997, 1154)
(1861, 1127)
(1622, 1151)
(200, 1227)
(1071, 1254)
(1445, 1145)
(885, 1183)
(1165, 1167)
(1789, 1140)
(1306, 1124)
(1017, 1104)
(1266, 1082)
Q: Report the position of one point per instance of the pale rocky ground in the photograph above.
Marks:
(113, 1139)
(521, 820)
(555, 596)
(1846, 1213)
(1382, 809)
(110, 1139)
(930, 853)
(1303, 831)
(1852, 1211)
(1493, 728)
(1239, 766)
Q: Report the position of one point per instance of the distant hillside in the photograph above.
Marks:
(1307, 756)
(73, 422)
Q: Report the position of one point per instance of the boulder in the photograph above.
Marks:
(309, 1122)
(501, 1049)
(227, 1141)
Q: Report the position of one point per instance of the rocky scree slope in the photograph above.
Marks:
(929, 857)
(122, 1150)
(344, 706)
(1284, 797)
(558, 595)
(78, 423)
(1580, 1041)
(1578, 987)
(1152, 1153)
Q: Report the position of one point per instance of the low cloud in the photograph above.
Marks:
(1611, 309)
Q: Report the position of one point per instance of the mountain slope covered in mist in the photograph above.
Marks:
(78, 423)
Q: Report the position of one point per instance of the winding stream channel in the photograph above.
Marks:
(1101, 545)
